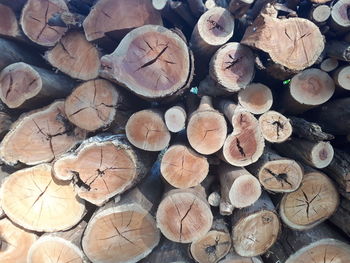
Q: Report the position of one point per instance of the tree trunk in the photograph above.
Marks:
(206, 128)
(275, 127)
(184, 215)
(314, 202)
(15, 242)
(175, 118)
(255, 228)
(35, 200)
(146, 130)
(234, 258)
(339, 16)
(276, 173)
(197, 7)
(25, 86)
(59, 247)
(119, 167)
(238, 8)
(256, 98)
(182, 9)
(341, 216)
(315, 154)
(341, 77)
(8, 22)
(329, 64)
(40, 136)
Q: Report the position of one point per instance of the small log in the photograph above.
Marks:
(8, 22)
(26, 86)
(151, 61)
(295, 43)
(206, 128)
(308, 89)
(340, 20)
(255, 228)
(35, 200)
(125, 231)
(341, 216)
(175, 118)
(234, 258)
(329, 64)
(214, 199)
(146, 130)
(214, 245)
(40, 136)
(94, 104)
(276, 173)
(102, 167)
(238, 187)
(275, 127)
(34, 21)
(342, 77)
(314, 202)
(15, 242)
(238, 8)
(5, 123)
(59, 247)
(309, 130)
(315, 154)
(182, 167)
(75, 56)
(256, 98)
(232, 66)
(338, 49)
(184, 215)
(320, 14)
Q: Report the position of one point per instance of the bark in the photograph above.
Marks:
(275, 127)
(175, 118)
(238, 8)
(341, 77)
(256, 98)
(339, 17)
(8, 22)
(329, 64)
(183, 10)
(338, 49)
(5, 123)
(342, 215)
(234, 258)
(197, 7)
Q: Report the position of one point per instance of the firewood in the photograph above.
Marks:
(338, 49)
(276, 173)
(214, 245)
(238, 8)
(109, 19)
(255, 228)
(275, 127)
(15, 242)
(256, 98)
(103, 166)
(182, 167)
(94, 104)
(295, 43)
(329, 64)
(175, 118)
(34, 21)
(342, 215)
(209, 87)
(213, 3)
(307, 90)
(40, 136)
(125, 231)
(315, 154)
(168, 14)
(339, 16)
(5, 123)
(75, 56)
(214, 199)
(184, 215)
(151, 61)
(16, 6)
(206, 128)
(234, 258)
(59, 247)
(8, 22)
(341, 77)
(146, 130)
(26, 86)
(320, 14)
(238, 187)
(35, 200)
(232, 66)
(314, 202)
(182, 9)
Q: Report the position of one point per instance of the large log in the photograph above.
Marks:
(275, 127)
(341, 77)
(40, 136)
(256, 98)
(35, 200)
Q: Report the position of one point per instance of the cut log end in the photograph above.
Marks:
(342, 77)
(175, 118)
(245, 191)
(275, 127)
(256, 98)
(8, 22)
(322, 154)
(329, 64)
(340, 15)
(321, 14)
(233, 258)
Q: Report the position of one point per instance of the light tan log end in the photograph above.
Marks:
(175, 118)
(342, 77)
(275, 127)
(8, 22)
(256, 98)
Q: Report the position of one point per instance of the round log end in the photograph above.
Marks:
(175, 118)
(245, 191)
(321, 13)
(329, 64)
(256, 98)
(340, 14)
(342, 77)
(322, 154)
(275, 127)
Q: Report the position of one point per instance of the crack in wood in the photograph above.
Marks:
(280, 177)
(240, 148)
(152, 61)
(233, 62)
(183, 218)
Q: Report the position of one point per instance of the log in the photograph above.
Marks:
(238, 8)
(8, 22)
(214, 245)
(102, 167)
(182, 9)
(338, 49)
(315, 154)
(256, 98)
(151, 61)
(125, 231)
(197, 7)
(146, 130)
(16, 6)
(255, 228)
(209, 87)
(35, 200)
(320, 14)
(40, 136)
(314, 202)
(232, 66)
(308, 89)
(206, 128)
(239, 188)
(295, 43)
(234, 258)
(275, 127)
(342, 215)
(184, 215)
(25, 86)
(15, 242)
(276, 173)
(34, 21)
(342, 76)
(214, 199)
(5, 123)
(182, 167)
(75, 56)
(329, 64)
(59, 247)
(339, 16)
(175, 118)
(93, 105)
(168, 14)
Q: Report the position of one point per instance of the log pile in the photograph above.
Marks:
(167, 131)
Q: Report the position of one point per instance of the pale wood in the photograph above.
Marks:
(214, 199)
(16, 6)
(35, 200)
(234, 258)
(238, 8)
(329, 64)
(175, 118)
(256, 98)
(275, 127)
(339, 17)
(40, 136)
(320, 14)
(8, 22)
(342, 77)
